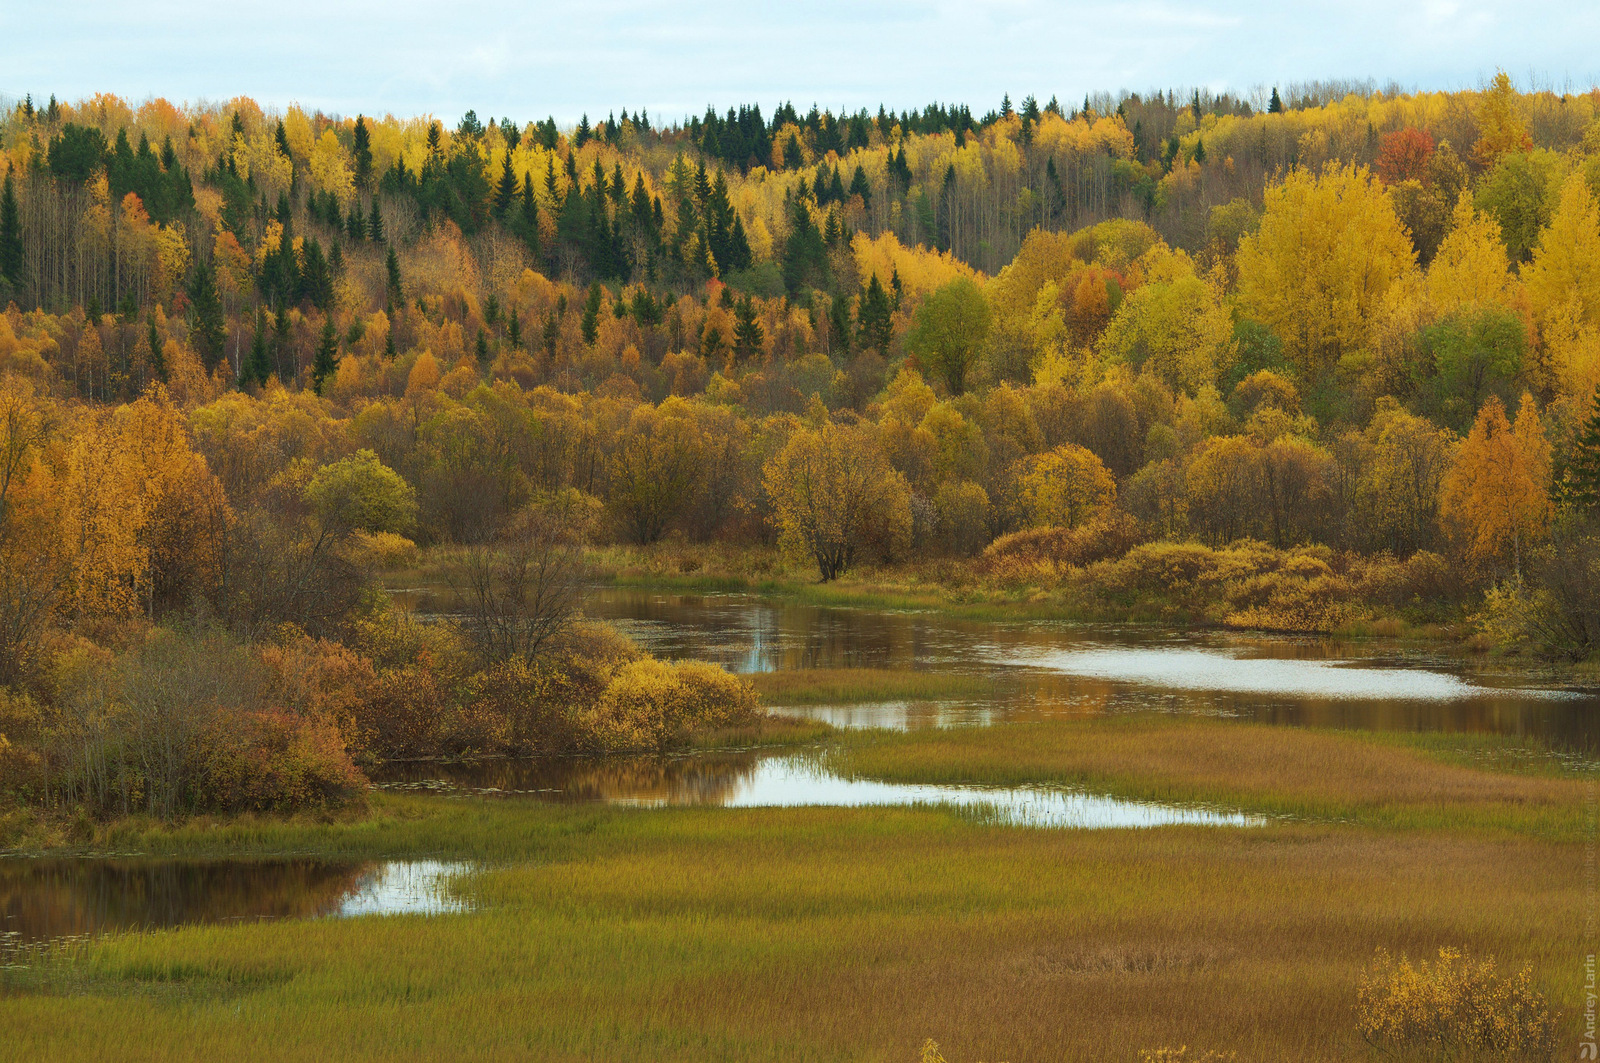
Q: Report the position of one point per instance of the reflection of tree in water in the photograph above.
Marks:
(42, 899)
(704, 779)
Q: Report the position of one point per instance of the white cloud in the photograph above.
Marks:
(566, 58)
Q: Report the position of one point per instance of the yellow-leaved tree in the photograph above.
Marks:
(833, 491)
(1470, 270)
(1500, 128)
(1565, 271)
(1497, 492)
(1061, 487)
(1316, 272)
(1176, 323)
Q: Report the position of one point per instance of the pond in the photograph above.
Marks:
(50, 898)
(757, 779)
(1041, 669)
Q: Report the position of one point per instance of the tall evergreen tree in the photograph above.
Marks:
(375, 223)
(875, 318)
(591, 315)
(207, 327)
(257, 367)
(1582, 487)
(749, 340)
(10, 235)
(1275, 106)
(393, 291)
(505, 193)
(362, 152)
(326, 363)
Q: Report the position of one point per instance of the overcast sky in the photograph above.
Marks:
(534, 59)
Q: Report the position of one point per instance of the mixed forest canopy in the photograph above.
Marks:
(1348, 324)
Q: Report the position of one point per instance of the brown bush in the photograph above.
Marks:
(1043, 554)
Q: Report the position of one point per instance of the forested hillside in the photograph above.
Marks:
(1288, 367)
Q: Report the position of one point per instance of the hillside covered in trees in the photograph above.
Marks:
(1309, 365)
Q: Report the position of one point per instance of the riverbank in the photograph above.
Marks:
(834, 933)
(1241, 588)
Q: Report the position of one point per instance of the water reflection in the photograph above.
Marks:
(1043, 670)
(50, 898)
(765, 780)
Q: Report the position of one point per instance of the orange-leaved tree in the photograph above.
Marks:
(1497, 492)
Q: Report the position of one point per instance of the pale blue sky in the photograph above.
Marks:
(533, 59)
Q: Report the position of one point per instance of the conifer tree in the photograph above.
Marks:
(258, 366)
(590, 324)
(375, 223)
(514, 328)
(10, 235)
(326, 363)
(1582, 486)
(362, 152)
(875, 318)
(505, 192)
(749, 340)
(1276, 104)
(392, 289)
(207, 326)
(388, 343)
(859, 185)
(481, 348)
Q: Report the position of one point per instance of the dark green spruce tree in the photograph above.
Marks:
(393, 290)
(1582, 486)
(257, 367)
(10, 236)
(326, 362)
(207, 327)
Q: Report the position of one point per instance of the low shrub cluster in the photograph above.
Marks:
(173, 722)
(1111, 563)
(1453, 1008)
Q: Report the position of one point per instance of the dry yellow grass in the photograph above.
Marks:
(1286, 770)
(825, 934)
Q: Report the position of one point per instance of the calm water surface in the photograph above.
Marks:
(1047, 669)
(1036, 671)
(47, 898)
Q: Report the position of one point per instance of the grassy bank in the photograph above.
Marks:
(839, 686)
(807, 934)
(1474, 784)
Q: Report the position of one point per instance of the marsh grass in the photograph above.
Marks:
(805, 934)
(837, 686)
(1397, 781)
(857, 934)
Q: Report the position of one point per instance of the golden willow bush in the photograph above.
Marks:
(1453, 1007)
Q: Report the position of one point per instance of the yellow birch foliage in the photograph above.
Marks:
(1566, 264)
(1316, 272)
(1062, 487)
(1470, 270)
(329, 172)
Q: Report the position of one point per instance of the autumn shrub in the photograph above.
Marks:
(1453, 1008)
(1107, 535)
(380, 551)
(278, 761)
(654, 705)
(179, 723)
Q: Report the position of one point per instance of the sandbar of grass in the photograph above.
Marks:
(1389, 781)
(841, 686)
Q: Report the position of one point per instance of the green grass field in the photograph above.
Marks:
(844, 934)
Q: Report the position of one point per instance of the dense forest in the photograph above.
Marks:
(1327, 360)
